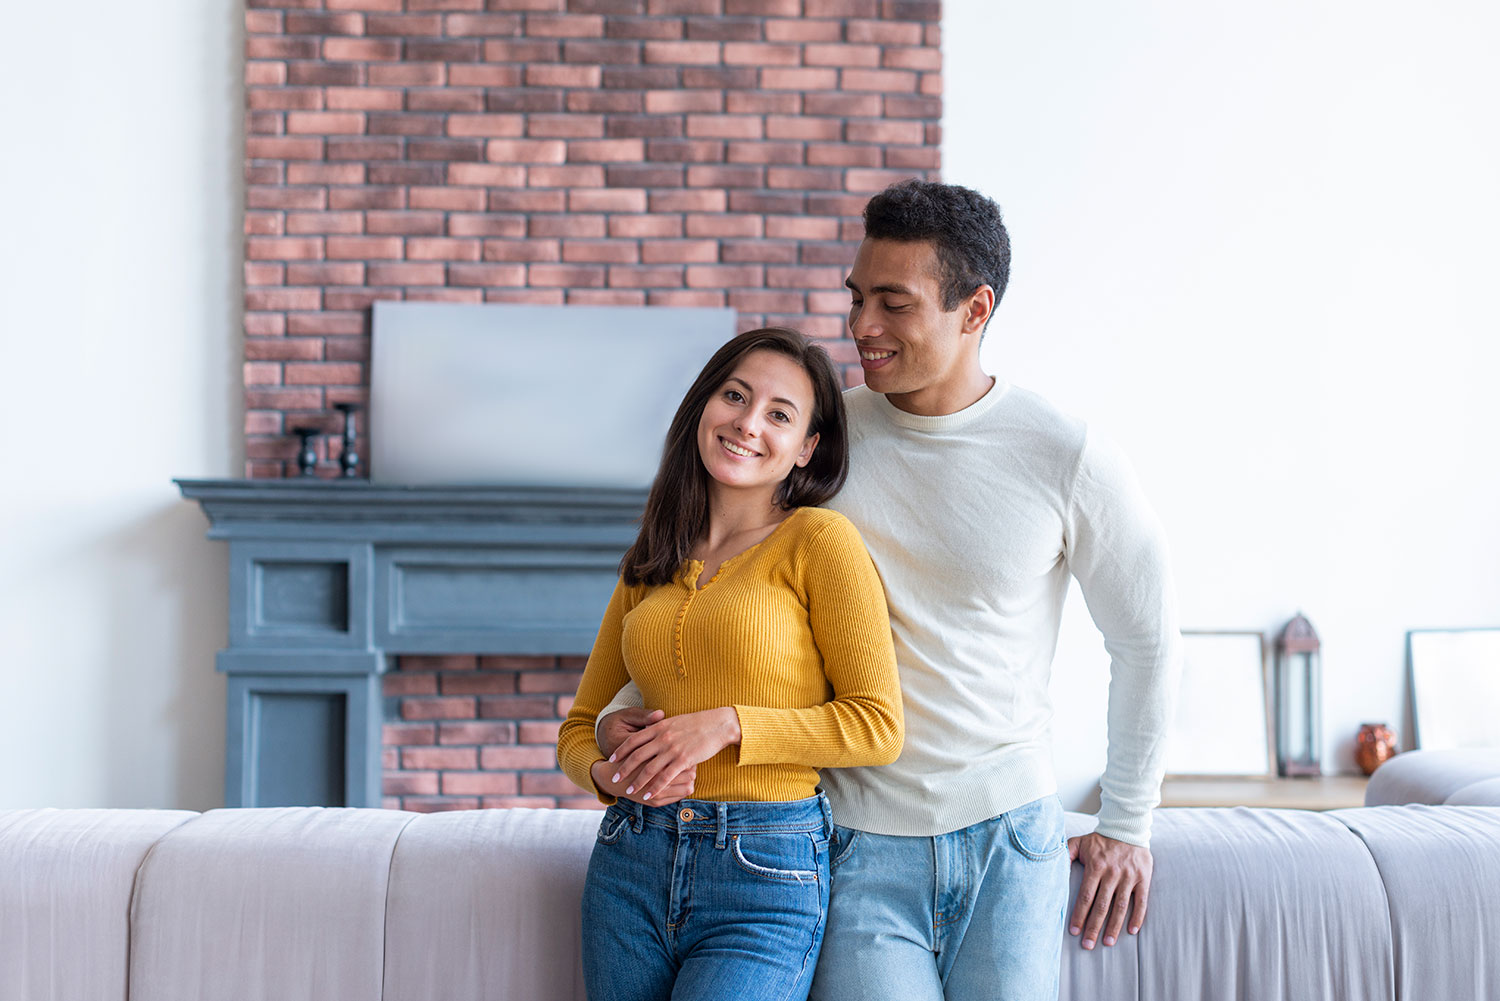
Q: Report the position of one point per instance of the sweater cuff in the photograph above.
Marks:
(758, 744)
(1133, 829)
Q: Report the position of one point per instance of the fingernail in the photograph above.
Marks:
(1135, 929)
(629, 790)
(647, 796)
(615, 777)
(1071, 931)
(611, 759)
(1109, 940)
(1088, 943)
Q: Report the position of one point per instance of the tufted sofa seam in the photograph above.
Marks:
(385, 923)
(1390, 916)
(135, 892)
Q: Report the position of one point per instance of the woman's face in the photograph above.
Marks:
(754, 428)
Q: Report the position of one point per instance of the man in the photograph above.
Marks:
(977, 499)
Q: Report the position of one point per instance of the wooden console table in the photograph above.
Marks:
(1328, 792)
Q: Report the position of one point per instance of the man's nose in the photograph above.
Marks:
(862, 324)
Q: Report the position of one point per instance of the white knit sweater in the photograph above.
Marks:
(975, 519)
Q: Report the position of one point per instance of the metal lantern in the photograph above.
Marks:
(1299, 698)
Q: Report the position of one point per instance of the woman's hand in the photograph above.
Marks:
(651, 760)
(681, 788)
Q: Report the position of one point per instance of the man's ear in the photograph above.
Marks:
(977, 309)
(805, 456)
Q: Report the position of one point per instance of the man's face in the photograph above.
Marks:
(909, 347)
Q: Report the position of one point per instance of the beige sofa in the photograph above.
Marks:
(1382, 902)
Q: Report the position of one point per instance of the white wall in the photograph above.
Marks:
(119, 314)
(1256, 243)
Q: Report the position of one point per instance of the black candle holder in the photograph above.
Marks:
(307, 456)
(349, 458)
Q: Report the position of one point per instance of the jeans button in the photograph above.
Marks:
(686, 815)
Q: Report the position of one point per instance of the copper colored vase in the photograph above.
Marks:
(1376, 742)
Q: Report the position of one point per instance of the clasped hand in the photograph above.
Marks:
(657, 760)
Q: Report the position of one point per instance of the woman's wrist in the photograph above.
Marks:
(729, 722)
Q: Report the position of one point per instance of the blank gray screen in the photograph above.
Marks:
(530, 395)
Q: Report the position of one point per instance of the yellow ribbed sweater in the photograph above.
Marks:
(792, 632)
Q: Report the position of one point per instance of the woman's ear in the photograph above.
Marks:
(805, 456)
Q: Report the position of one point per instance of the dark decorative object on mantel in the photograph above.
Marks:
(1299, 696)
(349, 457)
(307, 456)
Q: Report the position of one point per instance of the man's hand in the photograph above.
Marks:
(614, 728)
(1113, 873)
(612, 731)
(681, 788)
(658, 754)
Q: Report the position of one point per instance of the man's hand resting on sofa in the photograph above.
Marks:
(1113, 873)
(611, 732)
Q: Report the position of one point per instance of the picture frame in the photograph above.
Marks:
(1222, 726)
(1454, 676)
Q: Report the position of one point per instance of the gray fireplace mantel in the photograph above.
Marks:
(328, 579)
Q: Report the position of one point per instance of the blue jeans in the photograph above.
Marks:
(970, 915)
(706, 900)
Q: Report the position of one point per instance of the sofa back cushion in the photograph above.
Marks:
(65, 882)
(485, 904)
(285, 903)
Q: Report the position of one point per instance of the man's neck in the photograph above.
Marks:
(945, 398)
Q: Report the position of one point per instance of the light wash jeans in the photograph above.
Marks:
(706, 900)
(966, 916)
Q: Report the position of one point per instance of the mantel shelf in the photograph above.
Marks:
(348, 509)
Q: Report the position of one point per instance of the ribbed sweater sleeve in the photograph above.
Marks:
(1117, 551)
(603, 675)
(862, 724)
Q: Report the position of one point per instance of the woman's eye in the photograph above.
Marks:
(780, 415)
(733, 395)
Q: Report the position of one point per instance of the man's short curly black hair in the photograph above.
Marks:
(964, 227)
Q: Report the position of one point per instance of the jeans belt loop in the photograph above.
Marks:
(827, 815)
(637, 815)
(722, 838)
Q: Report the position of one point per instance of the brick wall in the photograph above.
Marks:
(641, 152)
(467, 732)
(690, 152)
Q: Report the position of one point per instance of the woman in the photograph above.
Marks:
(755, 620)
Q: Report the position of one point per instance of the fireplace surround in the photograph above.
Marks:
(330, 580)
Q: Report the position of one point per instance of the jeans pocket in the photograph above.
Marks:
(1036, 829)
(841, 846)
(612, 826)
(788, 857)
